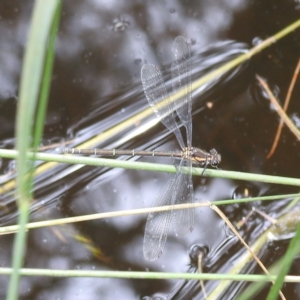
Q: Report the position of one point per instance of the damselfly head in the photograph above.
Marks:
(204, 158)
(215, 158)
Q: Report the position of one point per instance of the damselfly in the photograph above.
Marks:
(179, 190)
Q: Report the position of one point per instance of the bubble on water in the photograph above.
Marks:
(137, 61)
(256, 41)
(245, 191)
(296, 119)
(198, 253)
(120, 24)
(260, 95)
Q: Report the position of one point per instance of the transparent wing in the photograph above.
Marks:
(182, 84)
(183, 219)
(179, 190)
(158, 224)
(157, 96)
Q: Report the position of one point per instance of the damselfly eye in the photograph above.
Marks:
(215, 159)
(214, 164)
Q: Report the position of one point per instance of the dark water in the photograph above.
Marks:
(101, 48)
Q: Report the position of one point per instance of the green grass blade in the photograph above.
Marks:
(285, 265)
(29, 88)
(137, 165)
(46, 80)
